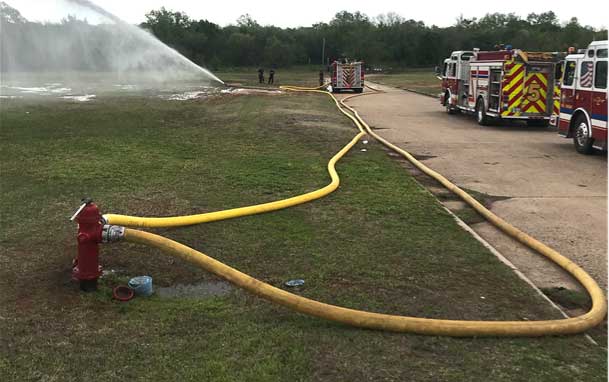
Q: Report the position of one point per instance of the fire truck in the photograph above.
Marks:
(347, 75)
(502, 84)
(583, 100)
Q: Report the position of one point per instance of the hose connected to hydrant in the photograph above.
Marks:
(357, 317)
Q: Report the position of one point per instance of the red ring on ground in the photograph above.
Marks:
(122, 293)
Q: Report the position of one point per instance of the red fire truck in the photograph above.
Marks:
(503, 84)
(583, 100)
(347, 75)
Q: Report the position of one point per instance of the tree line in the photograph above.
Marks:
(386, 40)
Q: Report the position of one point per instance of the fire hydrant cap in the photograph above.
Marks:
(122, 293)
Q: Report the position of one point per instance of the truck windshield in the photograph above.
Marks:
(569, 73)
(558, 71)
(466, 56)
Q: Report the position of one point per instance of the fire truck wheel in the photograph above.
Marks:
(481, 113)
(449, 108)
(359, 90)
(581, 140)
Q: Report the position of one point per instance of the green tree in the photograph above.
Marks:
(387, 39)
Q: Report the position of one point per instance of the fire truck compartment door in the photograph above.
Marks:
(535, 95)
(348, 76)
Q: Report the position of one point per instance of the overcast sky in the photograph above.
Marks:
(285, 13)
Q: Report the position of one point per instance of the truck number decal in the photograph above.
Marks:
(533, 93)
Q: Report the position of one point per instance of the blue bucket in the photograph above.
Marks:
(141, 285)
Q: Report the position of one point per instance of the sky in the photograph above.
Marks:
(285, 13)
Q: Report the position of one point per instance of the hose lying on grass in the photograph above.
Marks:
(360, 318)
(177, 221)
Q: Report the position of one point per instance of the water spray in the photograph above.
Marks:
(96, 8)
(95, 55)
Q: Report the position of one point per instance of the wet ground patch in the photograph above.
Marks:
(204, 289)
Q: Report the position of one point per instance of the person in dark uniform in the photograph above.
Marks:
(261, 75)
(321, 78)
(271, 76)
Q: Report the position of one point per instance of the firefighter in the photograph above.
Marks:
(271, 76)
(321, 78)
(261, 75)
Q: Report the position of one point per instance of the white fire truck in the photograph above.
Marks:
(502, 84)
(583, 99)
(347, 76)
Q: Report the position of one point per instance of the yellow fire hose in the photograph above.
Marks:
(360, 318)
(177, 221)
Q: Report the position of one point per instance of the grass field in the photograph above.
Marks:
(301, 76)
(419, 80)
(381, 243)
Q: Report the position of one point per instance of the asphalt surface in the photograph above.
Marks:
(551, 192)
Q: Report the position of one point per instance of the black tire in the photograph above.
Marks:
(481, 116)
(581, 140)
(359, 90)
(538, 123)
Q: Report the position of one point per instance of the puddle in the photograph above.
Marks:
(86, 90)
(54, 88)
(125, 87)
(190, 95)
(185, 96)
(80, 98)
(250, 91)
(201, 290)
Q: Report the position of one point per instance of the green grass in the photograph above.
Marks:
(381, 243)
(419, 80)
(300, 76)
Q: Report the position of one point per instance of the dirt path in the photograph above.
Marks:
(551, 192)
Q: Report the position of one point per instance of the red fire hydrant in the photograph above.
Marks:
(86, 268)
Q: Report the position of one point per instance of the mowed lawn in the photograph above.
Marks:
(422, 80)
(298, 75)
(419, 80)
(381, 242)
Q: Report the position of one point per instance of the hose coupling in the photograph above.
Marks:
(112, 233)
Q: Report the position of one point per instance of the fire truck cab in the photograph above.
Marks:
(583, 99)
(502, 84)
(455, 80)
